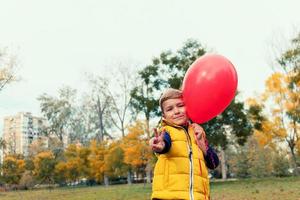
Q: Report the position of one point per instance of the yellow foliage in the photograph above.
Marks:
(135, 146)
(267, 126)
(276, 111)
(283, 94)
(13, 167)
(96, 159)
(281, 132)
(290, 105)
(261, 138)
(20, 163)
(298, 147)
(274, 82)
(60, 167)
(252, 102)
(9, 159)
(71, 151)
(277, 121)
(42, 155)
(264, 96)
(39, 158)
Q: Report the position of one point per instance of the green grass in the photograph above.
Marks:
(267, 188)
(271, 188)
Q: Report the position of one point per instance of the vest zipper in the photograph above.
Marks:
(191, 165)
(191, 175)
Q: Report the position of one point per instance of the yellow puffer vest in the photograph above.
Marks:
(180, 174)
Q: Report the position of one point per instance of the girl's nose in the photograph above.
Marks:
(176, 110)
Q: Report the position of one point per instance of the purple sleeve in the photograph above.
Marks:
(211, 158)
(168, 143)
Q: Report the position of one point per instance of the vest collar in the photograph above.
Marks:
(165, 122)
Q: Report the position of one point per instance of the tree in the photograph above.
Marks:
(44, 166)
(13, 167)
(96, 160)
(2, 147)
(173, 66)
(80, 125)
(27, 181)
(232, 121)
(114, 161)
(167, 70)
(256, 160)
(121, 98)
(8, 68)
(37, 146)
(257, 156)
(137, 154)
(60, 173)
(290, 63)
(280, 126)
(76, 163)
(232, 126)
(58, 111)
(99, 105)
(277, 111)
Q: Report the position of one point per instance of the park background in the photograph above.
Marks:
(94, 70)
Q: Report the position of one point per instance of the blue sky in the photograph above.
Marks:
(57, 41)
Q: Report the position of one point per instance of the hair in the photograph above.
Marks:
(169, 93)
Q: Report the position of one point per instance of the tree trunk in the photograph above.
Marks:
(100, 111)
(148, 172)
(223, 165)
(148, 166)
(106, 180)
(293, 144)
(129, 182)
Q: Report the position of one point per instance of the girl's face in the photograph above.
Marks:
(174, 111)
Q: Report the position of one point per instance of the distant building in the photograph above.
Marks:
(20, 130)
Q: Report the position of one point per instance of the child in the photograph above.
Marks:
(183, 153)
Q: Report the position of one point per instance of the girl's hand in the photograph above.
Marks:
(201, 137)
(199, 131)
(157, 143)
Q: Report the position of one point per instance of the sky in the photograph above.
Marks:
(56, 41)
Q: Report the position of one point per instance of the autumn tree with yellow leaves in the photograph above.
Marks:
(76, 164)
(281, 105)
(137, 153)
(114, 160)
(44, 165)
(12, 169)
(96, 160)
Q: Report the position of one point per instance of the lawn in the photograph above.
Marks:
(271, 188)
(264, 189)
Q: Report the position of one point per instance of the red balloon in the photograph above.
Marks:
(208, 87)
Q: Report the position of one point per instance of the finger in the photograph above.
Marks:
(157, 147)
(193, 125)
(151, 141)
(196, 127)
(162, 131)
(200, 136)
(203, 133)
(156, 140)
(162, 135)
(155, 132)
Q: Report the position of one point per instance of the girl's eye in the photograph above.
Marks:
(169, 109)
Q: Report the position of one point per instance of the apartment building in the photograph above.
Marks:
(20, 130)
